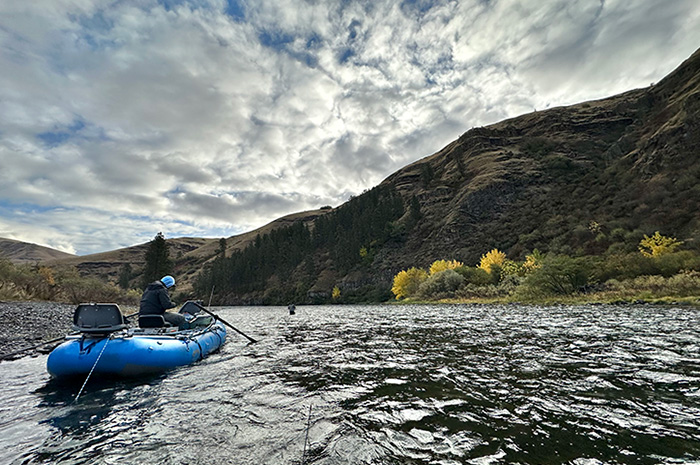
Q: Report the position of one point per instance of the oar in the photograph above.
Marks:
(50, 341)
(203, 308)
(26, 349)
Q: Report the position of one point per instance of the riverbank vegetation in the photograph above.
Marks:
(65, 284)
(659, 272)
(658, 269)
(59, 284)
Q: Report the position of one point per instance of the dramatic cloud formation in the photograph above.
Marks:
(210, 118)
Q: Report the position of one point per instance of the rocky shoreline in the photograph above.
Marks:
(27, 324)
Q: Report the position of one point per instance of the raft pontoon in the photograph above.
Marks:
(106, 345)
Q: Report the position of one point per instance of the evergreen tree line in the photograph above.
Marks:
(287, 259)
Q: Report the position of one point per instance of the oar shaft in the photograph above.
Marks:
(206, 310)
(26, 349)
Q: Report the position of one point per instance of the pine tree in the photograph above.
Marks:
(125, 275)
(414, 214)
(221, 251)
(158, 262)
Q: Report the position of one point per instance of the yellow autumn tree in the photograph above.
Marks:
(491, 259)
(406, 282)
(658, 245)
(442, 265)
(532, 261)
(48, 275)
(336, 293)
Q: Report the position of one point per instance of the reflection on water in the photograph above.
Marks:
(387, 385)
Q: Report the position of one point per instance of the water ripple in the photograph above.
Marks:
(397, 384)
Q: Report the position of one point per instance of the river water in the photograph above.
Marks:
(442, 384)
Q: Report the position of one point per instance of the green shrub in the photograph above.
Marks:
(441, 284)
(672, 263)
(78, 290)
(631, 265)
(683, 284)
(474, 275)
(473, 291)
(624, 266)
(505, 288)
(558, 275)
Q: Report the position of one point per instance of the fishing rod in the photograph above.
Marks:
(50, 341)
(306, 439)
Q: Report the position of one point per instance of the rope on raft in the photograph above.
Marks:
(92, 369)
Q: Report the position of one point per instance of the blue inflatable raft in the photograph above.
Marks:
(105, 345)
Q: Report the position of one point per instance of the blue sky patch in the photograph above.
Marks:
(279, 41)
(345, 55)
(235, 10)
(53, 139)
(314, 42)
(61, 134)
(22, 209)
(417, 6)
(275, 39)
(170, 5)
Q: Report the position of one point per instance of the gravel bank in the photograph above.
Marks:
(27, 324)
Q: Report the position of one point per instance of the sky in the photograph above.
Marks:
(210, 118)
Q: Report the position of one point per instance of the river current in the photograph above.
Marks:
(440, 384)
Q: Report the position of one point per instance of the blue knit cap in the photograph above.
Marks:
(169, 281)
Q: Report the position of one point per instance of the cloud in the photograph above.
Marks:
(212, 117)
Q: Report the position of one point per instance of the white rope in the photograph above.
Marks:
(92, 369)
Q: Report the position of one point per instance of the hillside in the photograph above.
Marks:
(573, 179)
(22, 253)
(107, 265)
(590, 178)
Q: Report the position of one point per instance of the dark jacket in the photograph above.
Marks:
(155, 300)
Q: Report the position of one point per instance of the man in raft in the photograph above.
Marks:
(156, 300)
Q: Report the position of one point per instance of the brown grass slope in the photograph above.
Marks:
(628, 164)
(22, 253)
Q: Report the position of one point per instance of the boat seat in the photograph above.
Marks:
(152, 321)
(98, 318)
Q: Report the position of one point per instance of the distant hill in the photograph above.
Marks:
(21, 253)
(190, 253)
